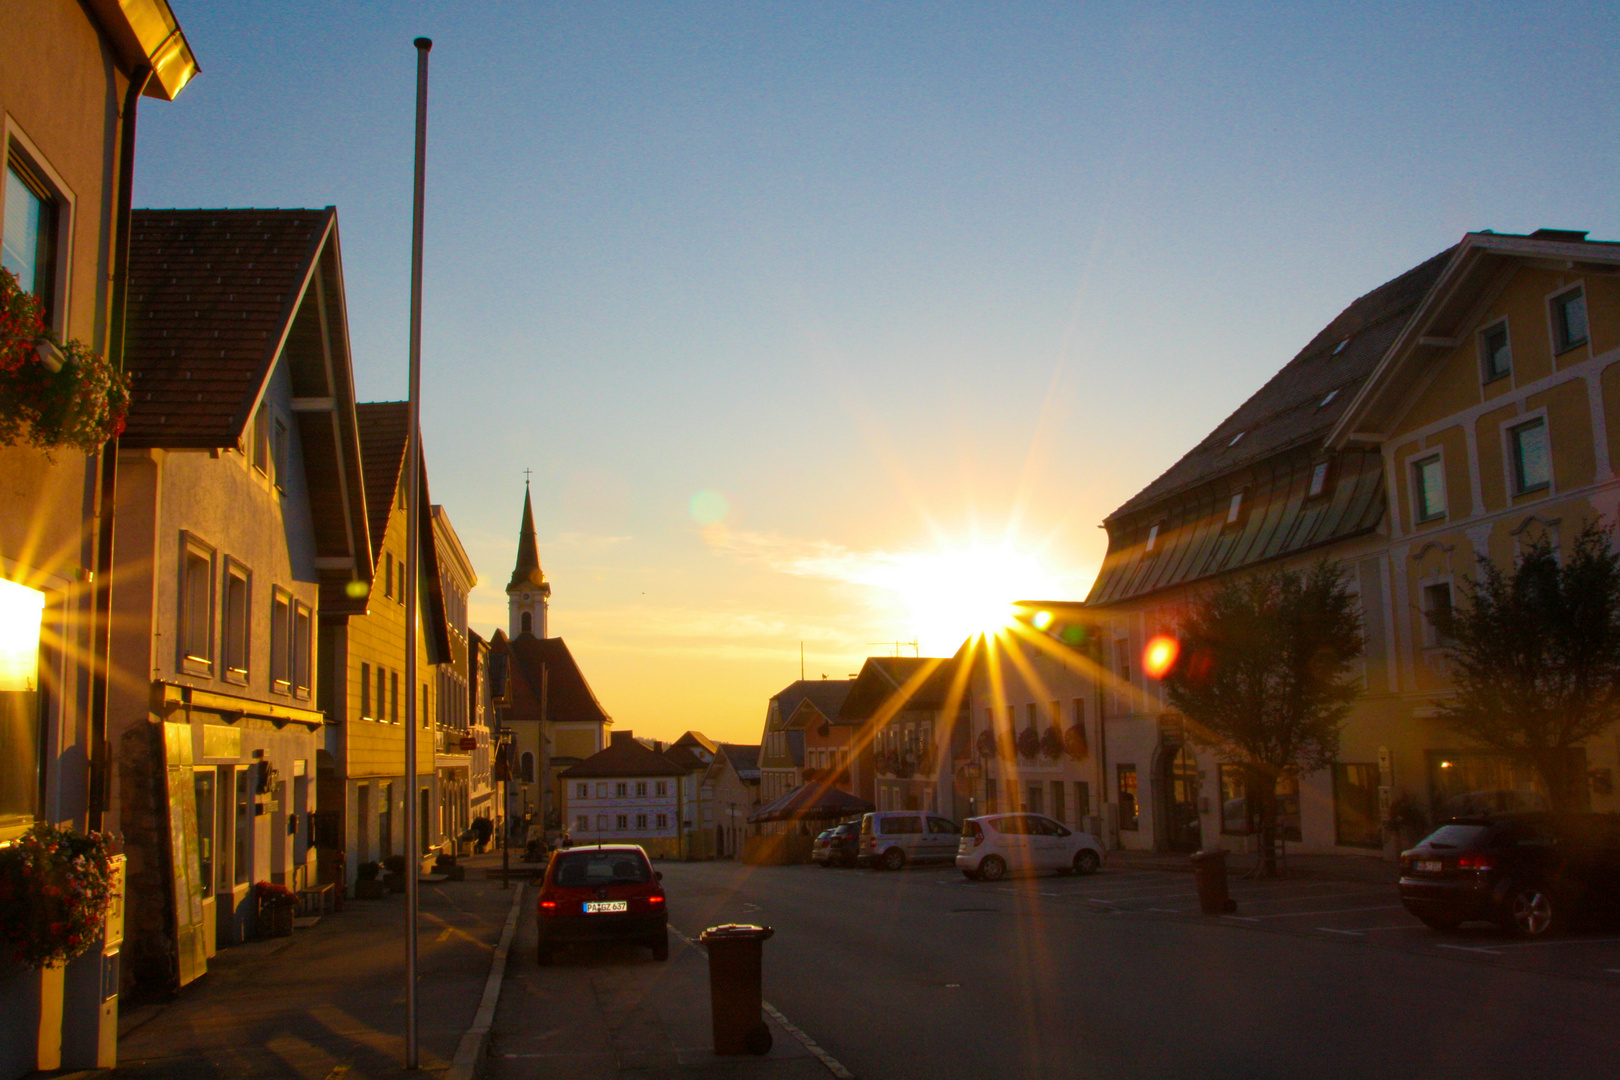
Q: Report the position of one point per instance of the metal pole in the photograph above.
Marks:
(413, 541)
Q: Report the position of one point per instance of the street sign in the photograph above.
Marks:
(469, 742)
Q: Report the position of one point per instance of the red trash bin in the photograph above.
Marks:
(1209, 868)
(735, 996)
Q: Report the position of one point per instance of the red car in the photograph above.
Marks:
(605, 892)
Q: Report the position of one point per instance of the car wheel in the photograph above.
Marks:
(993, 868)
(1086, 861)
(660, 949)
(894, 859)
(544, 956)
(1533, 911)
(1440, 922)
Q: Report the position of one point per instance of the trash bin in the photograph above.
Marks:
(734, 988)
(1209, 868)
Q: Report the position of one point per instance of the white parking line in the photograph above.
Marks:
(1370, 929)
(1339, 911)
(1299, 899)
(1558, 941)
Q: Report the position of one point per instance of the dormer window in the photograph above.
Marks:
(1234, 509)
(1319, 480)
(1339, 348)
(1152, 538)
(1236, 439)
(1325, 402)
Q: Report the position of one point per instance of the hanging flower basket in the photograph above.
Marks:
(1051, 744)
(1029, 743)
(55, 886)
(53, 395)
(1074, 743)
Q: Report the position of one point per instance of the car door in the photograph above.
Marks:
(1046, 843)
(1017, 843)
(942, 835)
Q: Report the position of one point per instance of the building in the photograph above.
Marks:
(238, 509)
(730, 790)
(364, 779)
(802, 704)
(461, 741)
(71, 78)
(694, 752)
(481, 794)
(626, 793)
(1457, 411)
(909, 716)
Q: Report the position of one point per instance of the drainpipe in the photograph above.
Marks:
(101, 594)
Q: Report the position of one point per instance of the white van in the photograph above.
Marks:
(892, 838)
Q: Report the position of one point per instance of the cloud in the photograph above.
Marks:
(811, 558)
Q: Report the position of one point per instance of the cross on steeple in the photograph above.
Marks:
(526, 473)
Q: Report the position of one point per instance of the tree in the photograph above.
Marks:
(1535, 657)
(1263, 675)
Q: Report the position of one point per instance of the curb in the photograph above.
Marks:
(473, 1050)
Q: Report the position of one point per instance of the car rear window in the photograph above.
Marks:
(1456, 836)
(586, 869)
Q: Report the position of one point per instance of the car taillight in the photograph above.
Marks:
(1480, 863)
(655, 899)
(548, 907)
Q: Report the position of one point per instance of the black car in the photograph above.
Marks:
(1531, 873)
(837, 846)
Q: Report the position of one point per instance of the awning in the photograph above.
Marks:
(812, 802)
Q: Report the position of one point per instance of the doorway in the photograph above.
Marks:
(1180, 787)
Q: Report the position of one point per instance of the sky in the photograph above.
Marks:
(826, 328)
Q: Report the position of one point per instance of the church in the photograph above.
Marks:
(541, 694)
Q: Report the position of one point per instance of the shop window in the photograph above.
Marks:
(1035, 800)
(1128, 815)
(203, 785)
(1355, 805)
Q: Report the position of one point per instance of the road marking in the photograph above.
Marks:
(1300, 899)
(1239, 918)
(1472, 948)
(1369, 929)
(832, 1064)
(1340, 911)
(1562, 941)
(1330, 930)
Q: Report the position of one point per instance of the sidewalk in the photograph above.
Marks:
(330, 1000)
(1367, 868)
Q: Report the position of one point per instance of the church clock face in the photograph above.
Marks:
(525, 598)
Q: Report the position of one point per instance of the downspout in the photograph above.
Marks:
(101, 596)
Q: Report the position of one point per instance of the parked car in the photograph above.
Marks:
(601, 893)
(892, 838)
(1532, 873)
(837, 846)
(992, 845)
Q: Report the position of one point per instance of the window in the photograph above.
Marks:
(1437, 615)
(1127, 798)
(601, 822)
(1429, 489)
(393, 706)
(278, 453)
(1234, 802)
(621, 822)
(1328, 400)
(21, 614)
(365, 692)
(621, 791)
(1152, 539)
(583, 823)
(425, 717)
(1355, 805)
(1234, 509)
(1082, 800)
(1058, 809)
(242, 831)
(1122, 654)
(197, 609)
(261, 439)
(234, 622)
(280, 641)
(388, 573)
(1035, 801)
(526, 768)
(582, 791)
(28, 241)
(1319, 480)
(601, 791)
(989, 795)
(641, 789)
(663, 822)
(302, 633)
(641, 822)
(527, 623)
(1532, 461)
(1495, 358)
(1568, 316)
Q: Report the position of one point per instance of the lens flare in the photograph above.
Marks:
(1042, 620)
(708, 507)
(1160, 655)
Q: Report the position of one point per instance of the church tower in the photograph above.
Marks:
(528, 593)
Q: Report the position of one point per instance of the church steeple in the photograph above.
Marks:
(528, 593)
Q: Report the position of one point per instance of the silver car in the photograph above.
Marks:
(892, 838)
(996, 843)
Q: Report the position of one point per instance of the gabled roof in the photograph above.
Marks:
(624, 757)
(569, 698)
(216, 299)
(696, 739)
(1443, 316)
(683, 756)
(825, 695)
(907, 681)
(744, 759)
(1294, 407)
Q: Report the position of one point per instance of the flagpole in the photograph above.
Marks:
(413, 541)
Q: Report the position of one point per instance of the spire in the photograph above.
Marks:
(527, 573)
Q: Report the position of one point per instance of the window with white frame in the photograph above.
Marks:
(235, 622)
(302, 633)
(30, 239)
(1569, 319)
(601, 822)
(197, 607)
(1429, 489)
(1495, 357)
(582, 791)
(663, 821)
(583, 823)
(281, 649)
(621, 822)
(641, 789)
(1319, 480)
(641, 822)
(1532, 458)
(662, 789)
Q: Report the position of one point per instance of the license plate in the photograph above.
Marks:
(594, 906)
(1428, 866)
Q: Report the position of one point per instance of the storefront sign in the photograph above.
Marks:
(186, 883)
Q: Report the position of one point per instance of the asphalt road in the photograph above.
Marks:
(924, 974)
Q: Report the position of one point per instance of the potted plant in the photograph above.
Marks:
(366, 883)
(1052, 744)
(1074, 743)
(1029, 742)
(55, 887)
(275, 914)
(53, 395)
(396, 866)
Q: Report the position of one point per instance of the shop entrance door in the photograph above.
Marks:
(1180, 787)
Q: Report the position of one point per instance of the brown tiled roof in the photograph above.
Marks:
(624, 757)
(569, 698)
(212, 294)
(384, 426)
(827, 695)
(882, 677)
(1289, 409)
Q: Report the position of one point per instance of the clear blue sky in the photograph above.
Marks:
(865, 280)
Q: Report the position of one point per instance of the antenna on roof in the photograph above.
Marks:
(801, 661)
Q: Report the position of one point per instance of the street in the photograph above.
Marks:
(925, 974)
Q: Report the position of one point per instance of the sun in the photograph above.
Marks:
(952, 595)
